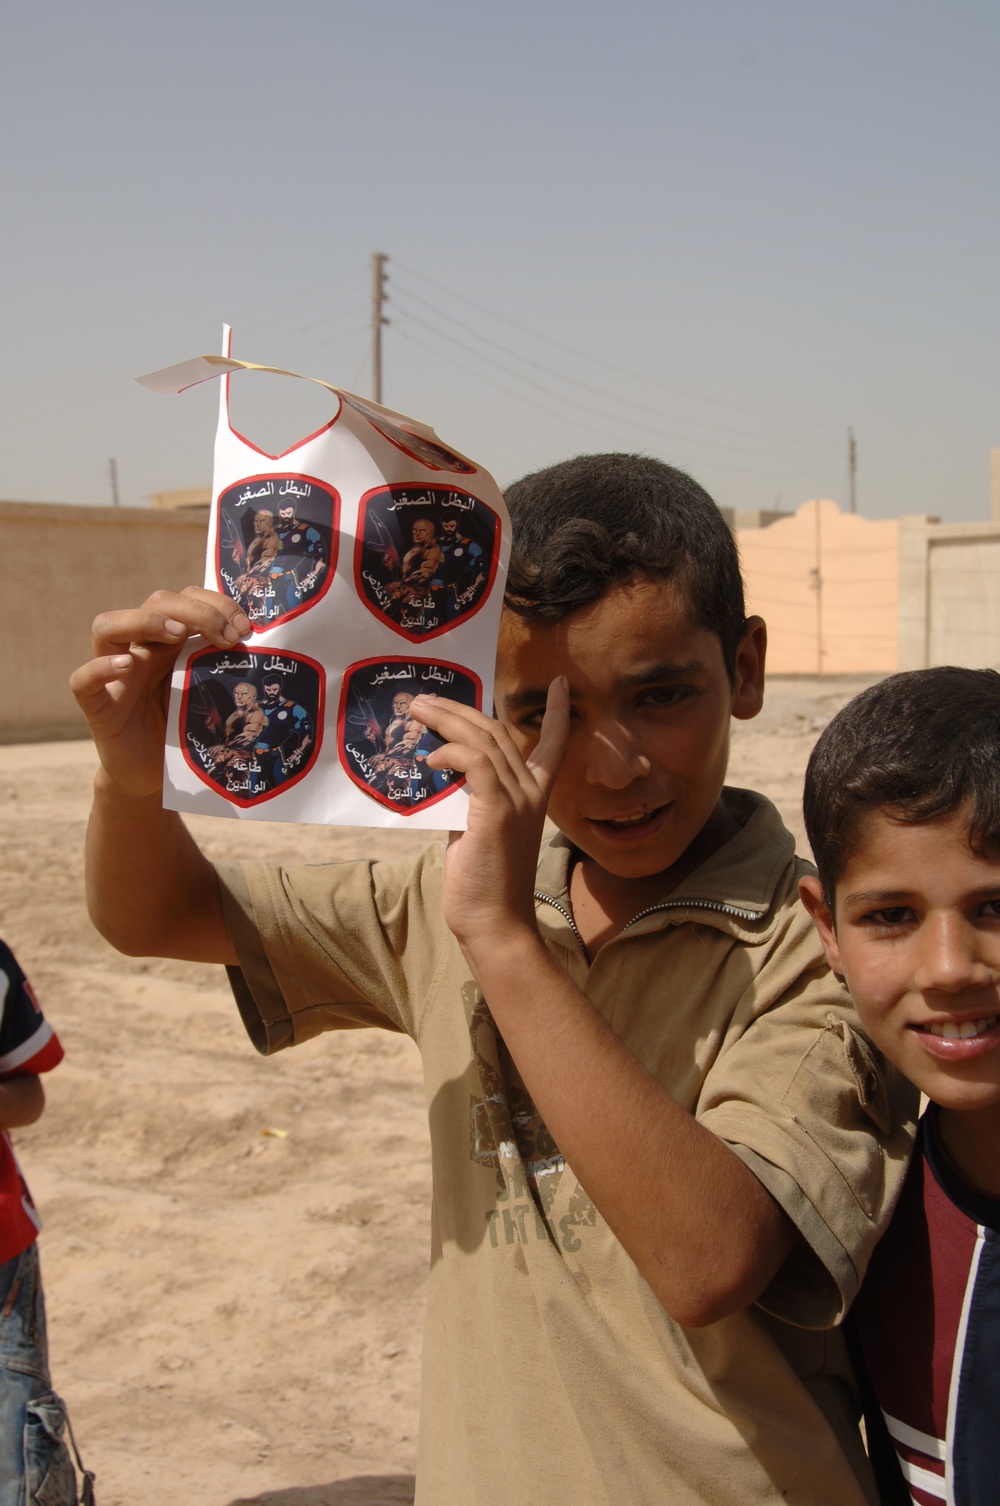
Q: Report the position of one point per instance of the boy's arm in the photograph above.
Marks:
(22, 1099)
(150, 889)
(700, 1227)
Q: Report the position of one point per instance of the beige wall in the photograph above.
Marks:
(840, 594)
(950, 585)
(65, 564)
(827, 585)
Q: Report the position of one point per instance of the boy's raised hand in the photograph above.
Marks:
(123, 689)
(490, 867)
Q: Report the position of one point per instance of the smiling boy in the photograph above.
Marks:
(902, 808)
(662, 1150)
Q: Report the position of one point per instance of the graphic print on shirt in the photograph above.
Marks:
(251, 720)
(276, 545)
(928, 1319)
(27, 1044)
(382, 747)
(509, 1136)
(425, 557)
(430, 452)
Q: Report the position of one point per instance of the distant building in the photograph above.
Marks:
(182, 501)
(842, 594)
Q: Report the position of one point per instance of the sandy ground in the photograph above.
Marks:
(235, 1249)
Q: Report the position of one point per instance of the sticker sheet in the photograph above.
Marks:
(370, 559)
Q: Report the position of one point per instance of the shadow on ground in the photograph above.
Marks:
(359, 1490)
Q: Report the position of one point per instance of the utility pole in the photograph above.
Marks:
(816, 574)
(379, 280)
(116, 500)
(852, 468)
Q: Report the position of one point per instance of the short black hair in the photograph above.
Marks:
(918, 746)
(596, 520)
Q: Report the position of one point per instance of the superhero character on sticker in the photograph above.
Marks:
(276, 545)
(283, 743)
(425, 557)
(249, 721)
(383, 747)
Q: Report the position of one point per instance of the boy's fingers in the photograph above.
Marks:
(545, 759)
(169, 617)
(484, 766)
(484, 773)
(439, 706)
(89, 683)
(453, 720)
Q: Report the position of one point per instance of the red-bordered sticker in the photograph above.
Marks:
(425, 557)
(382, 747)
(251, 721)
(276, 545)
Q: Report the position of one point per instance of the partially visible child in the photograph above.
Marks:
(34, 1461)
(902, 807)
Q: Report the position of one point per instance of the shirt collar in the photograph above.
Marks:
(734, 888)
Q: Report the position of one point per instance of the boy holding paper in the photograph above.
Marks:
(662, 1149)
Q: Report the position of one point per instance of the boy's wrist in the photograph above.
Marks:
(509, 950)
(109, 788)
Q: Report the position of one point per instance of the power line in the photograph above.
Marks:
(601, 392)
(611, 366)
(608, 432)
(662, 429)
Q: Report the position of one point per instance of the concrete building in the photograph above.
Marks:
(843, 594)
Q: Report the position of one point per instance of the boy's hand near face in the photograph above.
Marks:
(700, 1227)
(490, 867)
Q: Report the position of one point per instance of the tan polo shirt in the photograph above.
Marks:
(552, 1375)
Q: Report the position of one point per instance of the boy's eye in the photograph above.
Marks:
(991, 909)
(666, 695)
(890, 917)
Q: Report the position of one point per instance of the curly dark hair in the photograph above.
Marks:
(587, 523)
(919, 746)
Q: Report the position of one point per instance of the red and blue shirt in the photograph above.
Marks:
(27, 1044)
(928, 1326)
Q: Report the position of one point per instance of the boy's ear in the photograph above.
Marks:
(748, 682)
(811, 895)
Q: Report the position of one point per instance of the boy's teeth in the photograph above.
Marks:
(952, 1032)
(629, 820)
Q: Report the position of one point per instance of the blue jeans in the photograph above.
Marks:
(35, 1466)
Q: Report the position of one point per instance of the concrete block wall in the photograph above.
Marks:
(64, 565)
(827, 585)
(949, 593)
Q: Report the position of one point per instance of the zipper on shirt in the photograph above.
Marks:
(668, 904)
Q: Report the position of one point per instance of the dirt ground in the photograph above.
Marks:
(235, 1249)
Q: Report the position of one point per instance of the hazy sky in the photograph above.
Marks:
(722, 233)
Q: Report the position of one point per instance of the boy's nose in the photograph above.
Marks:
(614, 759)
(951, 958)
